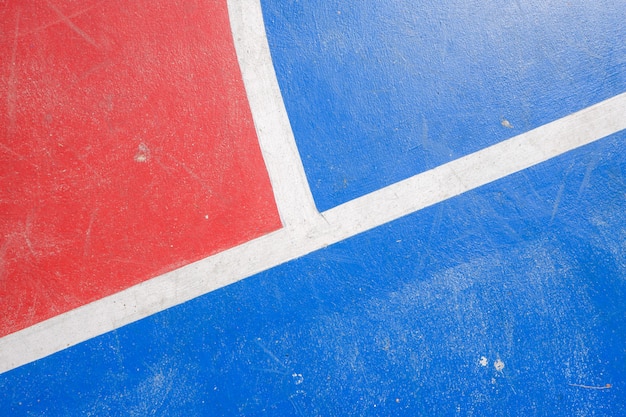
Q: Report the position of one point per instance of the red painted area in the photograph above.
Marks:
(128, 149)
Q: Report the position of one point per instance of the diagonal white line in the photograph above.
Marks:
(305, 233)
(483, 167)
(342, 222)
(291, 189)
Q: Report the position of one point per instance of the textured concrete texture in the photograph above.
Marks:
(317, 208)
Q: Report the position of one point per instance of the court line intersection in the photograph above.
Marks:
(304, 228)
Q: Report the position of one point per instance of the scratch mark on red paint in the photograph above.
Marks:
(91, 169)
(57, 21)
(11, 152)
(129, 261)
(193, 175)
(3, 251)
(31, 311)
(87, 245)
(94, 69)
(65, 19)
(27, 230)
(12, 87)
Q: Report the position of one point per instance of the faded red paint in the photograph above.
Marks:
(127, 150)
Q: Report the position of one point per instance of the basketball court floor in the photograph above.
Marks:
(312, 208)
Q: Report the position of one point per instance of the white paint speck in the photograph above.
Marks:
(297, 378)
(507, 124)
(143, 153)
(499, 365)
(483, 361)
(206, 216)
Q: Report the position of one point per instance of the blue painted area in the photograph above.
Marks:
(529, 270)
(379, 91)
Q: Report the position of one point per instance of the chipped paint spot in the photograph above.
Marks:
(143, 153)
(506, 123)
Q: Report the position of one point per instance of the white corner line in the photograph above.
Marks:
(337, 224)
(278, 146)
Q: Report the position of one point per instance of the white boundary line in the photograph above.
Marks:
(306, 234)
(282, 159)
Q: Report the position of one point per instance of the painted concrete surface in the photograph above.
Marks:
(125, 153)
(490, 303)
(379, 92)
(468, 257)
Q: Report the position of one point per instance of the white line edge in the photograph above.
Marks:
(278, 145)
(306, 233)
